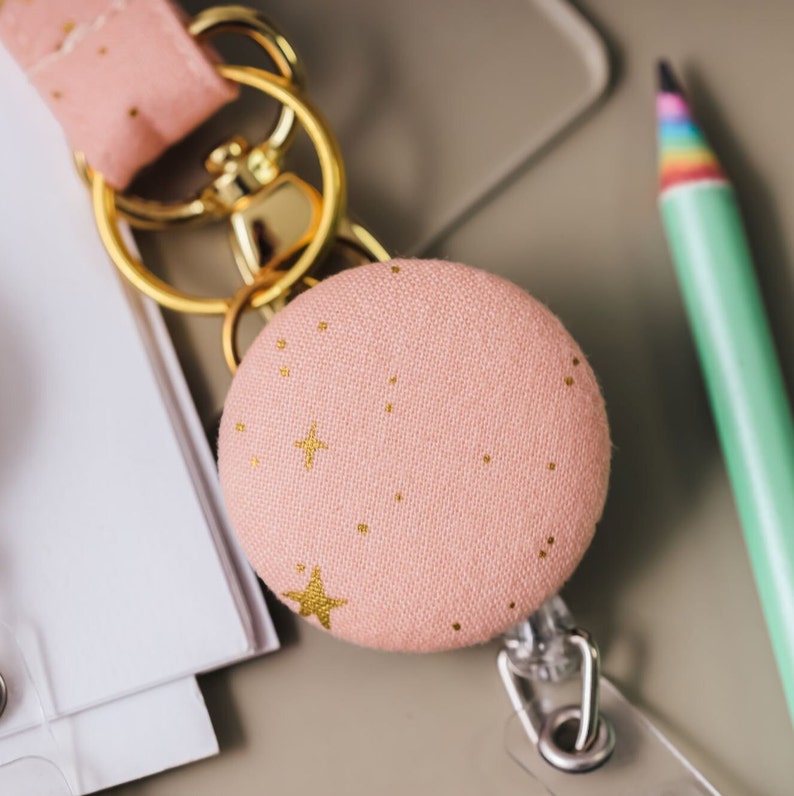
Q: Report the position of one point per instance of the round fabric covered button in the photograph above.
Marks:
(414, 455)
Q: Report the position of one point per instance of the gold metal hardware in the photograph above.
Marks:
(332, 205)
(280, 225)
(353, 235)
(253, 24)
(281, 218)
(152, 214)
(281, 221)
(271, 230)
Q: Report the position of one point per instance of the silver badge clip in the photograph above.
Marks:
(571, 729)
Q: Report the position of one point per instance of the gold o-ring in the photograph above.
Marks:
(251, 23)
(244, 299)
(153, 214)
(352, 234)
(333, 193)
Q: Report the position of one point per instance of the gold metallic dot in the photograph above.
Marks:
(395, 269)
(300, 567)
(552, 466)
(398, 497)
(254, 461)
(56, 94)
(486, 458)
(363, 528)
(239, 426)
(389, 407)
(393, 380)
(568, 380)
(456, 625)
(68, 26)
(575, 361)
(542, 554)
(133, 112)
(511, 606)
(284, 371)
(322, 326)
(281, 343)
(550, 540)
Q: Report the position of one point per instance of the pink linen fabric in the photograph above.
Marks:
(123, 77)
(460, 454)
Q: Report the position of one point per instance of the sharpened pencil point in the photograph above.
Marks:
(668, 82)
(684, 154)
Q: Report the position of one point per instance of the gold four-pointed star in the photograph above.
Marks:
(311, 445)
(314, 601)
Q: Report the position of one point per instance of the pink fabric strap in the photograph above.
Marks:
(123, 77)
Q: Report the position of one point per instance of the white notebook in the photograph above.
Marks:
(118, 571)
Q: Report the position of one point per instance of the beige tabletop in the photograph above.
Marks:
(666, 588)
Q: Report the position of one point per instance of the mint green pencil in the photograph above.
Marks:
(737, 354)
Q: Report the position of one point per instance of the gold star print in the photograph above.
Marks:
(311, 445)
(314, 601)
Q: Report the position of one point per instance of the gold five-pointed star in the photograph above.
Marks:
(311, 445)
(314, 601)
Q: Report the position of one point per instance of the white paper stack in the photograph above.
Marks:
(119, 577)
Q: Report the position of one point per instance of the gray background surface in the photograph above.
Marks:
(666, 587)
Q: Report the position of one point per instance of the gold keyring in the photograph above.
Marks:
(244, 299)
(247, 298)
(333, 193)
(351, 234)
(251, 23)
(153, 214)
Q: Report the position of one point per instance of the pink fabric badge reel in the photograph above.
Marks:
(414, 455)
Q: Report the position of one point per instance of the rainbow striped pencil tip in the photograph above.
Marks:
(684, 154)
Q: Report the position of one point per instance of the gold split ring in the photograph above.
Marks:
(351, 234)
(106, 213)
(153, 214)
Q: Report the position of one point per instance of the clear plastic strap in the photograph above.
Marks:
(550, 671)
(643, 763)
